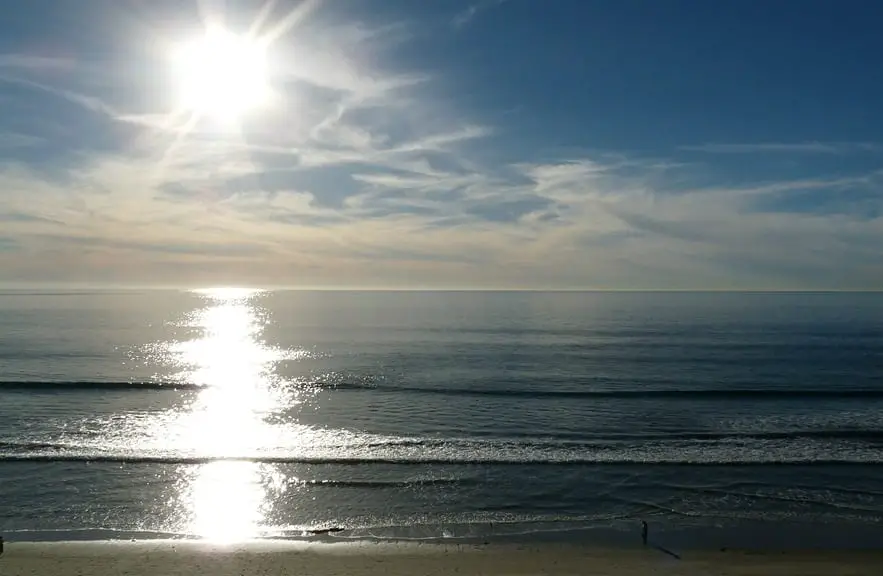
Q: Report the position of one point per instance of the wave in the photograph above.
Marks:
(85, 385)
(699, 393)
(433, 460)
(721, 449)
(823, 434)
(464, 447)
(387, 483)
(371, 384)
(597, 439)
(31, 447)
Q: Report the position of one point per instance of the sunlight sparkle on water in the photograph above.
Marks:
(243, 412)
(227, 500)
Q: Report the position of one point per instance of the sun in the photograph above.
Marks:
(221, 75)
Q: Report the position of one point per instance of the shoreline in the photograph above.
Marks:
(368, 558)
(761, 536)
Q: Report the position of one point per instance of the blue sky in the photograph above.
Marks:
(452, 144)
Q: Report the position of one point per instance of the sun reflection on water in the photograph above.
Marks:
(227, 500)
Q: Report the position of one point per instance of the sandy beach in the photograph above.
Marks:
(363, 559)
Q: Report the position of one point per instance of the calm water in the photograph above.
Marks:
(232, 414)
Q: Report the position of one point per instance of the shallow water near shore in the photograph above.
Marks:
(722, 419)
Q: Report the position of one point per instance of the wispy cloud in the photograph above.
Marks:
(91, 103)
(788, 148)
(469, 14)
(7, 243)
(13, 140)
(29, 62)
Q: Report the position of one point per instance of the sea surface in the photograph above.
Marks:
(232, 414)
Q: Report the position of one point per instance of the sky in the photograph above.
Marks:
(490, 144)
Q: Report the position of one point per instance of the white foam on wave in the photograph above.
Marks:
(317, 445)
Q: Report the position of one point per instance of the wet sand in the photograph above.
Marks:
(193, 558)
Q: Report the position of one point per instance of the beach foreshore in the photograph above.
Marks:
(195, 558)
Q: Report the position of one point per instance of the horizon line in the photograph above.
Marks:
(39, 287)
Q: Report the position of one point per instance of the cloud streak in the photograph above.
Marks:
(840, 148)
(468, 15)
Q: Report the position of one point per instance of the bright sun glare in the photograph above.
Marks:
(222, 75)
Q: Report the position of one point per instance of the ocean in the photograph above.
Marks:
(231, 414)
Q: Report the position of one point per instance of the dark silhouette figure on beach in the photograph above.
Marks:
(1, 545)
(645, 529)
